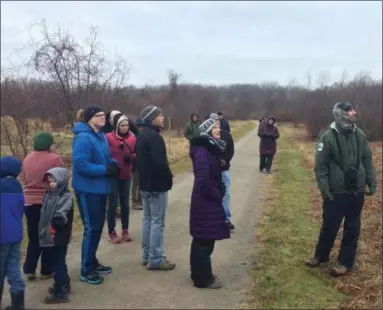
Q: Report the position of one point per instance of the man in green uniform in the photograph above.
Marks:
(343, 171)
(191, 127)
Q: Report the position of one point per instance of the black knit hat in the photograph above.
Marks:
(91, 111)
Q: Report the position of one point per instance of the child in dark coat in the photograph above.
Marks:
(55, 230)
(12, 210)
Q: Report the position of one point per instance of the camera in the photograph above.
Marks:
(351, 178)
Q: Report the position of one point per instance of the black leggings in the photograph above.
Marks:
(200, 262)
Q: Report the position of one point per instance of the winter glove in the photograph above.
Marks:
(371, 191)
(113, 169)
(222, 189)
(58, 223)
(328, 195)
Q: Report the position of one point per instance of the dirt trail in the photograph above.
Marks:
(132, 286)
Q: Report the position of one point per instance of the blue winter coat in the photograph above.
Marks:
(12, 201)
(90, 159)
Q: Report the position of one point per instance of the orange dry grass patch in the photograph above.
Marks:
(364, 284)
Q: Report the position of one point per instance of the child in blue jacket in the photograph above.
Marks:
(12, 210)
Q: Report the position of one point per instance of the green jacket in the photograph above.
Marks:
(329, 176)
(191, 129)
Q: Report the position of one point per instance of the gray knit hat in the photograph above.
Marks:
(207, 126)
(340, 112)
(150, 112)
(214, 116)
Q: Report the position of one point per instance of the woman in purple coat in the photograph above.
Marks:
(268, 145)
(207, 215)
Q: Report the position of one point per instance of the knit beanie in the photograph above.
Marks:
(340, 112)
(42, 141)
(206, 127)
(214, 116)
(112, 114)
(140, 122)
(149, 113)
(90, 111)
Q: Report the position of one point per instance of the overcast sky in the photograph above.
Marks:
(216, 42)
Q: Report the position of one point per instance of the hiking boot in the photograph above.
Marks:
(125, 237)
(339, 270)
(165, 265)
(17, 301)
(216, 284)
(114, 238)
(314, 262)
(230, 225)
(100, 269)
(92, 278)
(46, 276)
(57, 298)
(66, 288)
(30, 276)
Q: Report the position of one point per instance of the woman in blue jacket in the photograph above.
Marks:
(93, 170)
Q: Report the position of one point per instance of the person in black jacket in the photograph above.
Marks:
(155, 180)
(226, 157)
(224, 123)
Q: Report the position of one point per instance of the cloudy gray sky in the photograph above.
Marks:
(216, 42)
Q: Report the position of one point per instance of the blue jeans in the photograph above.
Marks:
(226, 199)
(92, 211)
(10, 257)
(121, 190)
(153, 225)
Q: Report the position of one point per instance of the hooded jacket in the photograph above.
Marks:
(191, 128)
(207, 215)
(11, 201)
(121, 149)
(90, 158)
(56, 217)
(329, 175)
(268, 133)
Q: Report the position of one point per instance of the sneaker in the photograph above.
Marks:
(46, 276)
(114, 238)
(137, 206)
(339, 270)
(31, 276)
(165, 265)
(216, 284)
(314, 262)
(100, 269)
(66, 288)
(230, 225)
(125, 237)
(57, 298)
(92, 278)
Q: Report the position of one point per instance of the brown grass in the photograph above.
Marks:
(365, 282)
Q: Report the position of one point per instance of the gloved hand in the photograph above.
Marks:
(328, 195)
(58, 223)
(222, 189)
(371, 191)
(113, 169)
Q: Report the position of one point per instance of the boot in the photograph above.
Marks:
(17, 301)
(57, 296)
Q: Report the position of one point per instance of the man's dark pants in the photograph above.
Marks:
(34, 251)
(349, 207)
